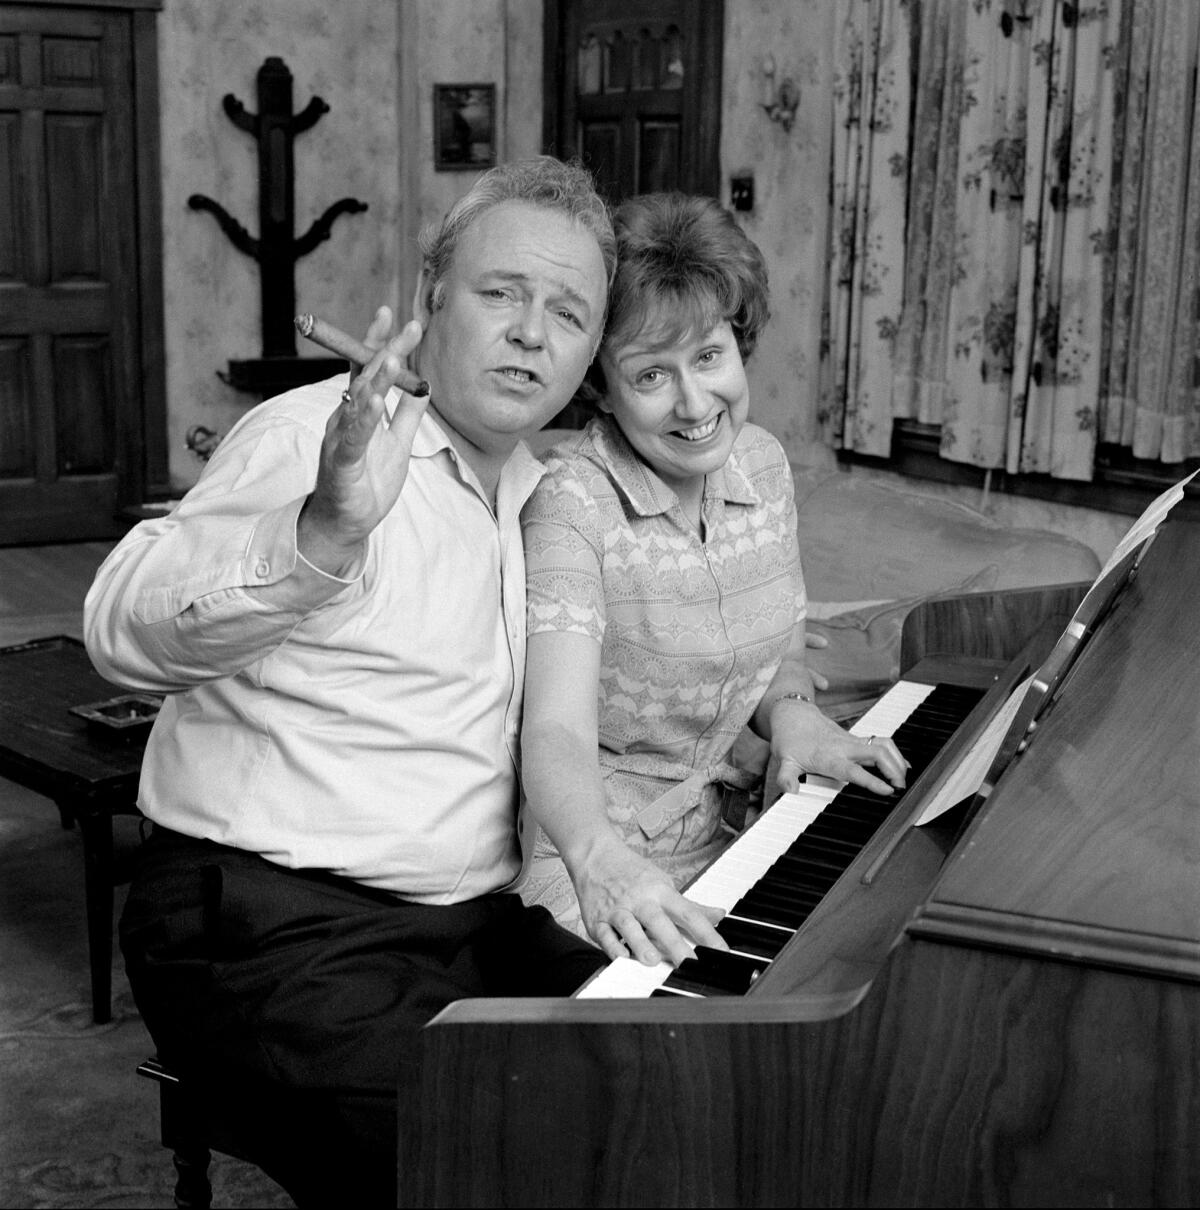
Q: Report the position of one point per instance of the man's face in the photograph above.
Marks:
(520, 313)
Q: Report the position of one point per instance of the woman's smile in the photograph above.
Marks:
(700, 431)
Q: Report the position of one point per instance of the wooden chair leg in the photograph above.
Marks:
(182, 1131)
(193, 1190)
(95, 826)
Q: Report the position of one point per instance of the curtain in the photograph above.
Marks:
(1149, 396)
(1032, 283)
(865, 272)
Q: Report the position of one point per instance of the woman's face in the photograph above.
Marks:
(681, 405)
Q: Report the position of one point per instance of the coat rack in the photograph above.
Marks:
(276, 249)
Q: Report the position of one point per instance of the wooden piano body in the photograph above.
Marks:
(1006, 1015)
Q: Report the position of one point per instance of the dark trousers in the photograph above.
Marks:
(289, 999)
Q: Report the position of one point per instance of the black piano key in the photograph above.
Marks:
(791, 868)
(811, 844)
(835, 832)
(805, 863)
(771, 912)
(850, 819)
(750, 937)
(867, 801)
(775, 909)
(802, 890)
(801, 883)
(716, 973)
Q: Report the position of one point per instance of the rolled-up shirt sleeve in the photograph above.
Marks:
(217, 585)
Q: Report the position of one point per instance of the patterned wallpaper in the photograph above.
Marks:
(790, 216)
(375, 62)
(345, 54)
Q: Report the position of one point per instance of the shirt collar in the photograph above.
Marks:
(645, 491)
(520, 474)
(430, 438)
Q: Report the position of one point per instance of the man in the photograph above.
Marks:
(336, 613)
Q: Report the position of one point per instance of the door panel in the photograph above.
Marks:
(17, 457)
(71, 404)
(634, 89)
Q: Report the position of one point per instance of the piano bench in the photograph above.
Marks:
(190, 1133)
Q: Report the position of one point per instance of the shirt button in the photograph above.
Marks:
(262, 569)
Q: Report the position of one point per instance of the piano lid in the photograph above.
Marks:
(1089, 846)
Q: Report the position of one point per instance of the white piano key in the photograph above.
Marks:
(625, 978)
(892, 709)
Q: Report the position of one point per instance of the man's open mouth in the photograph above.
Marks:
(518, 375)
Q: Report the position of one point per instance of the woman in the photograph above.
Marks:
(665, 598)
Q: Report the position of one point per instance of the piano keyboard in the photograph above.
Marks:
(772, 877)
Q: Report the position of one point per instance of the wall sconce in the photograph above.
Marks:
(782, 102)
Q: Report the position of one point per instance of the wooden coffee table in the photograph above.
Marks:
(90, 775)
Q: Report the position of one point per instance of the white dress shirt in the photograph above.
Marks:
(367, 727)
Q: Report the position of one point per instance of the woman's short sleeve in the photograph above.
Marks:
(564, 551)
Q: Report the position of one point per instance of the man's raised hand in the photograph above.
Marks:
(364, 457)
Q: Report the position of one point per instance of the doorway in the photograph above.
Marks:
(633, 88)
(82, 408)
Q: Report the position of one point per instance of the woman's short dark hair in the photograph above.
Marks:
(686, 257)
(684, 265)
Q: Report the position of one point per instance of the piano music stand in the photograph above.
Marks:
(1049, 679)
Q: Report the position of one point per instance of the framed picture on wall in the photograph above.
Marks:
(464, 126)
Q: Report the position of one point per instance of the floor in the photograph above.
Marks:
(42, 589)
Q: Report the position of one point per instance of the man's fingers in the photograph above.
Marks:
(356, 417)
(381, 325)
(408, 338)
(389, 367)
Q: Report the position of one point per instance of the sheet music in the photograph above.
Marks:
(967, 776)
(1147, 523)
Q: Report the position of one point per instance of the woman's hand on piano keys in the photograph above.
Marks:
(630, 907)
(804, 740)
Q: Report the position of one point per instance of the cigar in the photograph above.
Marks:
(336, 341)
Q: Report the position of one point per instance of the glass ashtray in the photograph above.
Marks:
(125, 714)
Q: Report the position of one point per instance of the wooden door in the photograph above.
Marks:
(633, 87)
(79, 357)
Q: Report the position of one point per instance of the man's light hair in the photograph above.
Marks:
(566, 188)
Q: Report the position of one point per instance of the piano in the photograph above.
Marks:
(998, 1008)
